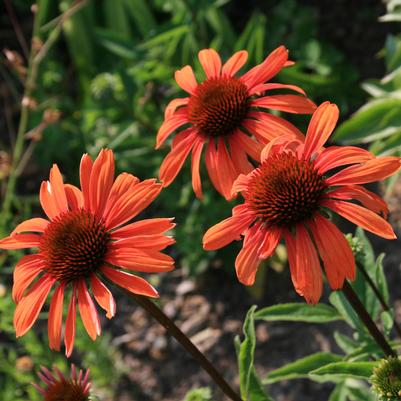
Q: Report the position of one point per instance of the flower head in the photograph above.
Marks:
(227, 114)
(85, 240)
(288, 195)
(386, 379)
(59, 388)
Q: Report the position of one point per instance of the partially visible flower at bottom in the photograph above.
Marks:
(288, 196)
(386, 379)
(84, 242)
(60, 388)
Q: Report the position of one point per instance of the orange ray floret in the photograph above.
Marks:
(227, 115)
(84, 240)
(286, 197)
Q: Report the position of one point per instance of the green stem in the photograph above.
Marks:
(363, 314)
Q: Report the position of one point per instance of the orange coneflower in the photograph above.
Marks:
(286, 196)
(59, 388)
(84, 240)
(224, 110)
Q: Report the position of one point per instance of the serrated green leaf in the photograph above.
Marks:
(298, 312)
(338, 371)
(302, 367)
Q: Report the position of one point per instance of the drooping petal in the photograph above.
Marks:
(36, 225)
(226, 172)
(144, 227)
(131, 203)
(304, 263)
(103, 296)
(271, 66)
(368, 199)
(101, 181)
(174, 161)
(261, 88)
(143, 260)
(288, 103)
(241, 184)
(170, 124)
(88, 311)
(20, 241)
(174, 105)
(321, 126)
(211, 165)
(70, 323)
(334, 250)
(29, 307)
(251, 147)
(132, 283)
(195, 166)
(85, 170)
(54, 322)
(373, 170)
(185, 78)
(248, 259)
(239, 156)
(270, 241)
(57, 189)
(360, 216)
(75, 198)
(25, 272)
(211, 62)
(229, 229)
(335, 156)
(234, 63)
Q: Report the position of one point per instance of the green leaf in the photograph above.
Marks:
(339, 393)
(345, 343)
(338, 371)
(299, 312)
(338, 300)
(302, 367)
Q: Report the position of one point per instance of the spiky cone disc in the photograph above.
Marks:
(386, 379)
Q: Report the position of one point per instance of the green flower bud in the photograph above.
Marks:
(357, 248)
(386, 379)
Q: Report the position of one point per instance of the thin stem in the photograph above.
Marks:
(367, 320)
(189, 346)
(378, 294)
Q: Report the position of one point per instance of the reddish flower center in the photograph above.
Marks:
(218, 105)
(65, 391)
(74, 245)
(285, 190)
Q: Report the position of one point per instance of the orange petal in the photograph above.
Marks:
(304, 265)
(360, 216)
(234, 63)
(170, 124)
(55, 318)
(270, 241)
(143, 260)
(211, 62)
(266, 87)
(271, 66)
(174, 161)
(229, 229)
(85, 170)
(101, 181)
(20, 241)
(376, 169)
(368, 199)
(211, 164)
(75, 199)
(132, 283)
(57, 189)
(251, 147)
(47, 201)
(239, 156)
(103, 296)
(144, 227)
(70, 324)
(241, 184)
(88, 311)
(334, 250)
(335, 156)
(321, 126)
(185, 78)
(155, 242)
(288, 103)
(195, 165)
(28, 309)
(26, 270)
(174, 105)
(32, 225)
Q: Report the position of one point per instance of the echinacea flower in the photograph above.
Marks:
(59, 388)
(228, 114)
(288, 196)
(84, 240)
